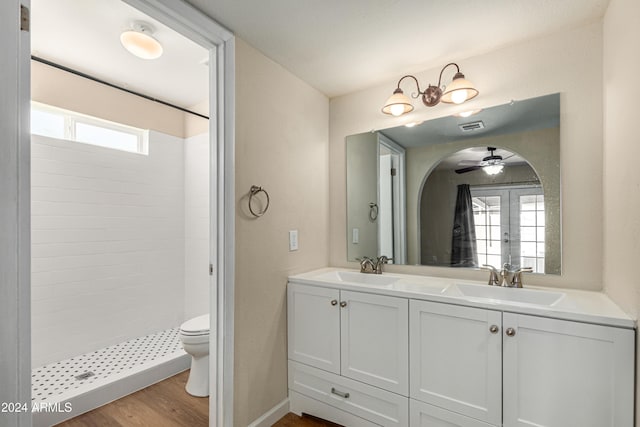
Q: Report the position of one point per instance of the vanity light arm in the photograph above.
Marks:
(442, 71)
(413, 95)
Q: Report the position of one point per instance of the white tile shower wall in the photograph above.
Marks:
(107, 244)
(196, 225)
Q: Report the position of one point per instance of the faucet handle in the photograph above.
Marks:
(489, 267)
(494, 279)
(516, 281)
(383, 259)
(365, 262)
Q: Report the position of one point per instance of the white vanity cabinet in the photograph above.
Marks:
(354, 334)
(456, 359)
(358, 342)
(368, 351)
(560, 373)
(514, 370)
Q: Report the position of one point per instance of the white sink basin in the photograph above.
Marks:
(509, 295)
(355, 277)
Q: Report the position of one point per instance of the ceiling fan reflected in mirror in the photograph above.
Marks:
(491, 164)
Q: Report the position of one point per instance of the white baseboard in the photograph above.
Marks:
(270, 417)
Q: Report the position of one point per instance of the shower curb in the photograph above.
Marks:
(80, 401)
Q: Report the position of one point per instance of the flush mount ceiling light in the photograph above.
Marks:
(140, 42)
(458, 91)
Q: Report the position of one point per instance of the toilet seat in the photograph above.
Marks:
(198, 326)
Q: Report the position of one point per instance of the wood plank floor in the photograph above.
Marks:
(167, 404)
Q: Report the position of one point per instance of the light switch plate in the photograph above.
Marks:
(355, 235)
(293, 240)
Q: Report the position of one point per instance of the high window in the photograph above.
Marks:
(64, 124)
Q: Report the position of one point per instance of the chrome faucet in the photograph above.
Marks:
(380, 262)
(367, 265)
(506, 277)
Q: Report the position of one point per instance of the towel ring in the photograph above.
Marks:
(252, 192)
(373, 211)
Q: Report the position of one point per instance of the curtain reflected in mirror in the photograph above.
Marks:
(464, 251)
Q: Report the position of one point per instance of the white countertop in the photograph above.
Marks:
(569, 304)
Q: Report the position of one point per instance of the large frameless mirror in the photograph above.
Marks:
(460, 191)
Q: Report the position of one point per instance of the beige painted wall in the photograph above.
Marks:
(570, 63)
(61, 89)
(281, 145)
(621, 153)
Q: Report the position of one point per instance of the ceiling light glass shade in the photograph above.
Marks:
(493, 169)
(140, 42)
(397, 104)
(459, 90)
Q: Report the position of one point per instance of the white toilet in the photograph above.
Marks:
(194, 335)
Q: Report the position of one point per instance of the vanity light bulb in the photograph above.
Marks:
(459, 96)
(397, 110)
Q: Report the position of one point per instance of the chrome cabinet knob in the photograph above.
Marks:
(494, 329)
(343, 304)
(334, 302)
(510, 332)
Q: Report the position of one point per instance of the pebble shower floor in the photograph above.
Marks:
(49, 381)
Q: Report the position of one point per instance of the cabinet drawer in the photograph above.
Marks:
(425, 415)
(371, 403)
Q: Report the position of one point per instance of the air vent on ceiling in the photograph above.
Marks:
(471, 126)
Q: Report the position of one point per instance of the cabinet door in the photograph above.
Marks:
(559, 373)
(375, 340)
(456, 359)
(313, 319)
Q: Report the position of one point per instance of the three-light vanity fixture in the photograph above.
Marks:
(457, 92)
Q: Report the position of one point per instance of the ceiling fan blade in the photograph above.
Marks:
(468, 163)
(469, 169)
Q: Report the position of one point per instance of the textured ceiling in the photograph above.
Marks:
(337, 46)
(341, 46)
(85, 35)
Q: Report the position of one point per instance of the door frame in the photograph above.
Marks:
(15, 215)
(399, 204)
(15, 194)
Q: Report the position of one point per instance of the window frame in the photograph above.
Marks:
(510, 217)
(72, 119)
